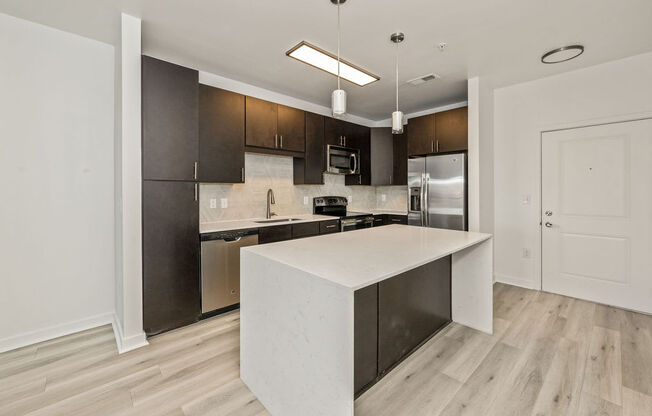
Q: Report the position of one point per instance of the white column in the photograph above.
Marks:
(129, 323)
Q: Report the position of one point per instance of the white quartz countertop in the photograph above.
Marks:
(356, 259)
(218, 226)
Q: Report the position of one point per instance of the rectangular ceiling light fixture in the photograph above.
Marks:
(326, 61)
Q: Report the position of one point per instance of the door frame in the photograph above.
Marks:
(549, 128)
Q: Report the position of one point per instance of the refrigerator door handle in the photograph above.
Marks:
(427, 195)
(424, 195)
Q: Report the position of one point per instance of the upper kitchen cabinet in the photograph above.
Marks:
(273, 126)
(170, 112)
(309, 169)
(452, 129)
(221, 135)
(421, 135)
(337, 132)
(400, 158)
(382, 156)
(360, 138)
(291, 128)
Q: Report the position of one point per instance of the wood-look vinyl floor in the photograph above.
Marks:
(549, 355)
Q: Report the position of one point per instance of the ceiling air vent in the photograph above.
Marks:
(423, 78)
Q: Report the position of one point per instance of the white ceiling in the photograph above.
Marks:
(247, 39)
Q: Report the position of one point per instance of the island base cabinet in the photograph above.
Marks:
(365, 338)
(411, 308)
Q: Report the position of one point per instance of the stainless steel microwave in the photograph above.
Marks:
(343, 160)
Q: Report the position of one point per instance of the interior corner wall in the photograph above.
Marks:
(614, 91)
(480, 155)
(56, 176)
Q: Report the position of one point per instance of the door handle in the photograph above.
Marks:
(548, 224)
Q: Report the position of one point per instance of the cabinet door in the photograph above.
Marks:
(306, 229)
(334, 130)
(452, 129)
(291, 129)
(421, 135)
(360, 138)
(221, 135)
(365, 336)
(329, 226)
(382, 156)
(396, 219)
(273, 234)
(400, 158)
(170, 111)
(170, 255)
(261, 123)
(411, 308)
(379, 220)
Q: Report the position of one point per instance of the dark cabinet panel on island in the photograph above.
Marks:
(274, 234)
(170, 255)
(170, 111)
(221, 135)
(365, 334)
(411, 308)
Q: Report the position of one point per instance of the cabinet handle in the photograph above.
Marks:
(242, 175)
(437, 146)
(390, 179)
(196, 192)
(194, 175)
(275, 140)
(432, 146)
(281, 137)
(396, 220)
(344, 141)
(330, 226)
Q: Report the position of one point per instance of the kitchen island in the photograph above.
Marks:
(324, 317)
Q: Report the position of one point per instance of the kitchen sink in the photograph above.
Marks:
(277, 220)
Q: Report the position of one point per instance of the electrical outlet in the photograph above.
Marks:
(305, 200)
(350, 198)
(213, 203)
(525, 200)
(383, 197)
(224, 203)
(526, 253)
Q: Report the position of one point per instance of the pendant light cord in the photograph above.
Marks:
(339, 40)
(396, 76)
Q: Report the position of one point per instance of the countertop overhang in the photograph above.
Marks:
(360, 258)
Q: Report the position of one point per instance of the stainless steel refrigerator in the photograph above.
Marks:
(437, 190)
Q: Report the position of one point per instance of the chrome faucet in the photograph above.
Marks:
(270, 202)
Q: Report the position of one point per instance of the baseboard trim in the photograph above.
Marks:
(55, 331)
(126, 344)
(515, 281)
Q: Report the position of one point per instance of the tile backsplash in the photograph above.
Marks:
(262, 172)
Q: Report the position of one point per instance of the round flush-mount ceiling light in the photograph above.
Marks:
(563, 54)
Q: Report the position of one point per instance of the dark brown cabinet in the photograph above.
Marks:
(170, 111)
(400, 158)
(336, 132)
(329, 226)
(365, 336)
(411, 308)
(360, 138)
(306, 229)
(170, 255)
(221, 135)
(382, 156)
(379, 220)
(274, 234)
(273, 126)
(396, 219)
(309, 169)
(452, 130)
(421, 135)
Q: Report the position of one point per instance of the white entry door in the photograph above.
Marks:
(597, 214)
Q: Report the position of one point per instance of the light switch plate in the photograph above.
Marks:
(349, 198)
(224, 203)
(213, 203)
(305, 200)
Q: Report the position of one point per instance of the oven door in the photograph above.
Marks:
(343, 160)
(357, 223)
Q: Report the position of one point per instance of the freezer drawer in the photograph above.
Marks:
(220, 271)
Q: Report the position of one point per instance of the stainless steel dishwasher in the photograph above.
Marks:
(220, 267)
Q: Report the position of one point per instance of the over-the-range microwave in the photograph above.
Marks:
(342, 160)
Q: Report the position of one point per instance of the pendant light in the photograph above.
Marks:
(338, 98)
(397, 116)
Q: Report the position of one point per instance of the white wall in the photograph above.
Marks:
(56, 177)
(615, 91)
